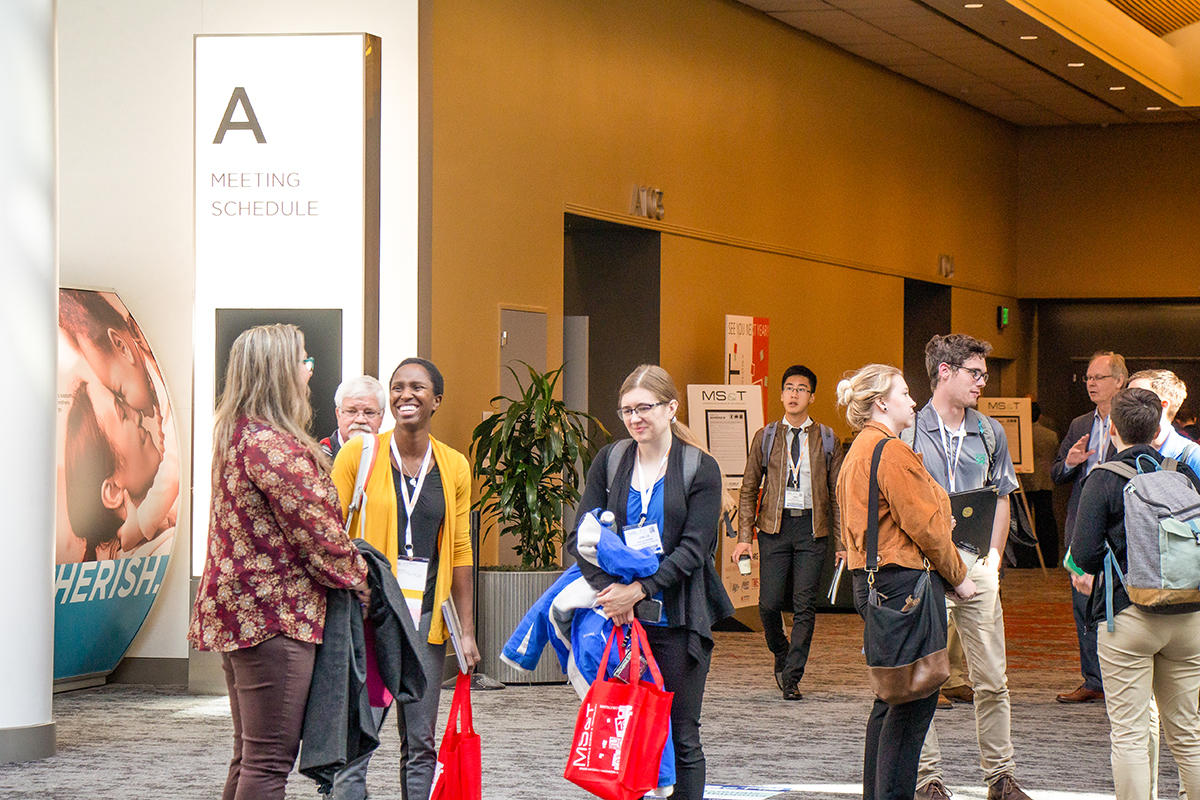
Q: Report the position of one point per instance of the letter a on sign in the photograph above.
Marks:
(251, 123)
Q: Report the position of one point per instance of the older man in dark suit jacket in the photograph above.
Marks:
(1086, 445)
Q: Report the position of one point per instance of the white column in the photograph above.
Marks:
(28, 326)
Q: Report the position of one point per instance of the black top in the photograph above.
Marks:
(1100, 519)
(693, 595)
(427, 521)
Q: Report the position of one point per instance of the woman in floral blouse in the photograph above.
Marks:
(275, 542)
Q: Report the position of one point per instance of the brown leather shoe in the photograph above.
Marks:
(1006, 789)
(943, 701)
(1080, 695)
(934, 790)
(959, 694)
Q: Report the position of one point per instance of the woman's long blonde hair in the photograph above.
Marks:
(655, 380)
(859, 390)
(263, 382)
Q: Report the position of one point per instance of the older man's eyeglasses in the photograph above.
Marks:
(369, 413)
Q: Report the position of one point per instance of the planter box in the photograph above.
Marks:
(504, 597)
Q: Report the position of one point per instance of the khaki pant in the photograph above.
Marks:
(958, 660)
(1151, 658)
(980, 623)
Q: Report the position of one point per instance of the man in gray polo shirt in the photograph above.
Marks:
(964, 449)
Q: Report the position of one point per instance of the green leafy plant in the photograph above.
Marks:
(527, 456)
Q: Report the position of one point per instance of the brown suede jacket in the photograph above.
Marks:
(914, 511)
(765, 514)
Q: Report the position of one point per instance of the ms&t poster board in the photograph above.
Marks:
(1015, 415)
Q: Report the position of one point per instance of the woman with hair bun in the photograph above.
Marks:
(652, 489)
(914, 523)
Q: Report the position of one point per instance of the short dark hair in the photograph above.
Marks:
(953, 349)
(435, 375)
(1136, 414)
(1035, 411)
(803, 372)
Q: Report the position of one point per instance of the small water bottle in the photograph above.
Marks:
(608, 519)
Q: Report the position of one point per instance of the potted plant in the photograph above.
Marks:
(530, 457)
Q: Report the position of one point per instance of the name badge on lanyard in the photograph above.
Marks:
(645, 536)
(793, 497)
(411, 573)
(951, 452)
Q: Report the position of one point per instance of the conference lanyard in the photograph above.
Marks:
(1101, 447)
(648, 488)
(410, 504)
(794, 468)
(947, 440)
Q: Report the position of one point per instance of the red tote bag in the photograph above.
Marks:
(621, 728)
(459, 771)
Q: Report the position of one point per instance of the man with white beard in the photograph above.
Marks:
(358, 404)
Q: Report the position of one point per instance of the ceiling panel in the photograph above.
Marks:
(978, 56)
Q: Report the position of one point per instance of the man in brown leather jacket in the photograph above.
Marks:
(796, 516)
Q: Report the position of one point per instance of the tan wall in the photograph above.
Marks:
(974, 313)
(753, 132)
(828, 318)
(1109, 212)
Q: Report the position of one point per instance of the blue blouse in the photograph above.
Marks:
(655, 515)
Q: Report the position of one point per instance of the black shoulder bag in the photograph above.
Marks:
(905, 649)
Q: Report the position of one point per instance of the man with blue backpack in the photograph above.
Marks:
(1138, 525)
(795, 461)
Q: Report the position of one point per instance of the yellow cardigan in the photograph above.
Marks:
(382, 528)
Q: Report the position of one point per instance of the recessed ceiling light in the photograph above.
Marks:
(1154, 108)
(1116, 88)
(1028, 38)
(1074, 64)
(973, 5)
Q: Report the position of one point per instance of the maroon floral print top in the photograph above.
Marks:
(275, 542)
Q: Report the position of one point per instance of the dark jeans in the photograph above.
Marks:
(268, 688)
(684, 676)
(790, 569)
(1089, 658)
(895, 733)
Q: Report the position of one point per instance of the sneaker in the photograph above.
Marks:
(959, 694)
(1006, 789)
(934, 790)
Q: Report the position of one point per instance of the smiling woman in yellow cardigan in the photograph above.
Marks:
(414, 394)
(381, 529)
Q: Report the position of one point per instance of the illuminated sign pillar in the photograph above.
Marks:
(287, 201)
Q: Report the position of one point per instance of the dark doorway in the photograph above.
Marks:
(611, 277)
(926, 314)
(1148, 334)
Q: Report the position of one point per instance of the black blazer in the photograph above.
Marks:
(1060, 473)
(693, 595)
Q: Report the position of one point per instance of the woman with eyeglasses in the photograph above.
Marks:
(275, 543)
(666, 493)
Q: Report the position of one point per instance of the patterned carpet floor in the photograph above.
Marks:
(145, 742)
